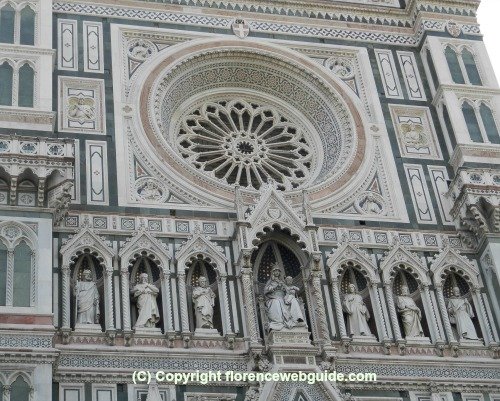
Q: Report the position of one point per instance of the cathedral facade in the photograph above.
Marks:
(202, 186)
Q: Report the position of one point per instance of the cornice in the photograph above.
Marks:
(310, 12)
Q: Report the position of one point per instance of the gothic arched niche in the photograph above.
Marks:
(352, 275)
(198, 268)
(87, 261)
(464, 302)
(278, 251)
(216, 114)
(141, 266)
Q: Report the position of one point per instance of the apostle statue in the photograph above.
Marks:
(87, 300)
(278, 313)
(147, 307)
(410, 314)
(204, 300)
(461, 312)
(357, 313)
(292, 302)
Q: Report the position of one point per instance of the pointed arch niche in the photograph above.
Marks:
(350, 265)
(87, 247)
(450, 269)
(144, 253)
(402, 268)
(199, 257)
(279, 248)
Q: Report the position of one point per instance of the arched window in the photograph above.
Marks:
(27, 26)
(7, 18)
(26, 86)
(489, 124)
(472, 122)
(20, 390)
(471, 68)
(21, 291)
(6, 74)
(26, 193)
(3, 274)
(454, 66)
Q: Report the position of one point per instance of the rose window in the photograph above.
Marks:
(245, 143)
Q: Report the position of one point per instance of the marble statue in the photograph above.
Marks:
(292, 301)
(357, 313)
(87, 300)
(203, 299)
(147, 307)
(410, 314)
(461, 312)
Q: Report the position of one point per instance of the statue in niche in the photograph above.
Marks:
(357, 313)
(292, 301)
(204, 301)
(278, 311)
(87, 300)
(147, 308)
(461, 312)
(410, 314)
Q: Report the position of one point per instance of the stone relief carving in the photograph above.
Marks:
(147, 308)
(81, 105)
(139, 49)
(415, 133)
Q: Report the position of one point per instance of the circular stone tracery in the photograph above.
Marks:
(245, 143)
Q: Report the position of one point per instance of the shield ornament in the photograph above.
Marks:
(274, 213)
(240, 28)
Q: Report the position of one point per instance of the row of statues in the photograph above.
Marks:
(283, 309)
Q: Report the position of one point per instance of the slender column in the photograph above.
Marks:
(10, 278)
(309, 301)
(338, 308)
(6, 392)
(392, 311)
(320, 307)
(108, 282)
(432, 318)
(444, 314)
(125, 285)
(379, 312)
(249, 303)
(65, 297)
(483, 316)
(224, 302)
(181, 278)
(166, 300)
(33, 279)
